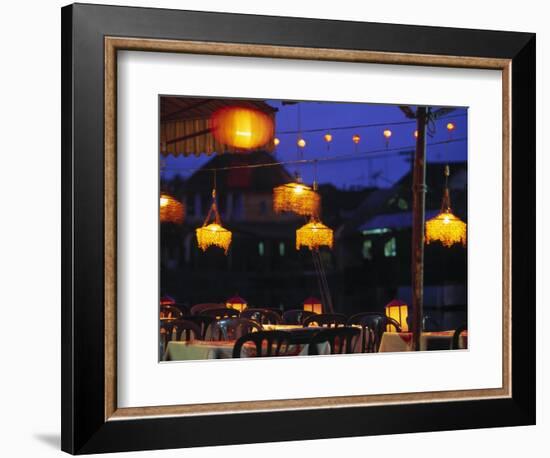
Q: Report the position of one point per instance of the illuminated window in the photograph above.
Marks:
(367, 249)
(281, 248)
(390, 248)
(261, 248)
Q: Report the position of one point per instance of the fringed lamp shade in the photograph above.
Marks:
(213, 234)
(236, 303)
(243, 128)
(314, 235)
(171, 210)
(296, 198)
(445, 227)
(399, 311)
(312, 304)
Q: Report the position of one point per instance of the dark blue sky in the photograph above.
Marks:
(384, 166)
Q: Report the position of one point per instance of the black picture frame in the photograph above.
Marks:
(84, 427)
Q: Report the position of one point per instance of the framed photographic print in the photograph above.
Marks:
(271, 222)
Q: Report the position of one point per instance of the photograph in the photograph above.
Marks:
(286, 228)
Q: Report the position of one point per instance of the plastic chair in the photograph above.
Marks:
(268, 343)
(197, 308)
(231, 329)
(377, 323)
(262, 316)
(296, 316)
(340, 340)
(170, 312)
(202, 322)
(326, 320)
(455, 343)
(220, 313)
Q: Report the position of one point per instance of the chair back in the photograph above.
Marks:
(185, 330)
(296, 316)
(377, 323)
(455, 343)
(267, 343)
(198, 308)
(170, 312)
(325, 320)
(231, 329)
(262, 316)
(202, 322)
(220, 313)
(340, 340)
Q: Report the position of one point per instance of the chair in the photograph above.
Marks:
(202, 322)
(220, 313)
(326, 320)
(377, 323)
(185, 330)
(167, 330)
(268, 343)
(170, 312)
(262, 316)
(197, 308)
(231, 329)
(455, 343)
(340, 340)
(296, 316)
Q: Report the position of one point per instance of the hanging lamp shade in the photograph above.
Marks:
(314, 235)
(237, 303)
(213, 234)
(312, 304)
(399, 311)
(242, 127)
(296, 198)
(171, 209)
(445, 227)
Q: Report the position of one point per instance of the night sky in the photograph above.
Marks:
(384, 166)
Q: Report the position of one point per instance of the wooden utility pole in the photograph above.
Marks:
(418, 213)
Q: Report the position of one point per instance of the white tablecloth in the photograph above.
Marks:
(402, 341)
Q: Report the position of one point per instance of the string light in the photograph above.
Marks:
(301, 143)
(356, 139)
(387, 134)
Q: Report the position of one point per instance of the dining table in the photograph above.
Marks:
(403, 341)
(223, 349)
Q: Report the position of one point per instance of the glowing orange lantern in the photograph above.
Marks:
(301, 143)
(312, 304)
(241, 127)
(171, 210)
(399, 311)
(236, 303)
(296, 198)
(415, 134)
(445, 227)
(387, 133)
(450, 126)
(314, 235)
(328, 138)
(356, 139)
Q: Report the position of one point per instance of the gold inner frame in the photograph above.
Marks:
(114, 44)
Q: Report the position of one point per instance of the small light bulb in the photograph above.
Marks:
(415, 134)
(356, 139)
(387, 133)
(301, 143)
(450, 126)
(328, 138)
